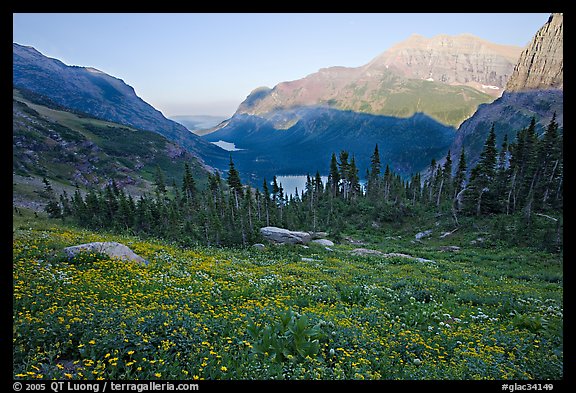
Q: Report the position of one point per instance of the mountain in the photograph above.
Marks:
(454, 60)
(69, 149)
(445, 77)
(408, 145)
(407, 100)
(198, 124)
(541, 64)
(535, 89)
(102, 96)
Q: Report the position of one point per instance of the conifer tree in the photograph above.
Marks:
(188, 186)
(460, 176)
(234, 183)
(333, 177)
(480, 194)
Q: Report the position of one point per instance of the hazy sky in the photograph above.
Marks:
(207, 64)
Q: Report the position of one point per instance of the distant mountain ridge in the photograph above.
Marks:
(198, 123)
(446, 77)
(100, 95)
(455, 60)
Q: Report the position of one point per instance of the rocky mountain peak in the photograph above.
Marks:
(463, 59)
(541, 64)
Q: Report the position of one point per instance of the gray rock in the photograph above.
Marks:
(423, 234)
(328, 249)
(112, 249)
(397, 254)
(323, 242)
(318, 235)
(365, 251)
(284, 236)
(449, 248)
(259, 246)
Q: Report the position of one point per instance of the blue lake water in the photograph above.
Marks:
(291, 182)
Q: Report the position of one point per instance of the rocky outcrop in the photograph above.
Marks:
(423, 234)
(366, 251)
(112, 249)
(323, 242)
(455, 60)
(535, 89)
(541, 64)
(284, 236)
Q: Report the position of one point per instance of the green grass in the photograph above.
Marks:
(209, 313)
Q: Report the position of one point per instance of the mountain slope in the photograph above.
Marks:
(102, 96)
(535, 89)
(407, 145)
(69, 149)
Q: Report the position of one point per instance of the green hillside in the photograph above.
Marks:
(70, 149)
(449, 105)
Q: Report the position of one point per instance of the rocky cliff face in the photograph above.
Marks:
(541, 65)
(454, 60)
(535, 89)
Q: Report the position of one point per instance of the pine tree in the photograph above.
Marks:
(234, 183)
(188, 186)
(445, 191)
(373, 184)
(480, 194)
(344, 170)
(386, 182)
(159, 181)
(353, 180)
(549, 159)
(333, 177)
(460, 176)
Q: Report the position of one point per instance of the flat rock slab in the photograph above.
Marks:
(324, 242)
(112, 249)
(285, 236)
(365, 251)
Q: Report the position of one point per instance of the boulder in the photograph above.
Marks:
(423, 234)
(365, 251)
(284, 236)
(112, 249)
(259, 246)
(318, 235)
(324, 242)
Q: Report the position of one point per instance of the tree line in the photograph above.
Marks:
(522, 178)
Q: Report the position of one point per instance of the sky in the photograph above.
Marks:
(207, 64)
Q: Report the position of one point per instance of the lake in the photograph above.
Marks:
(291, 182)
